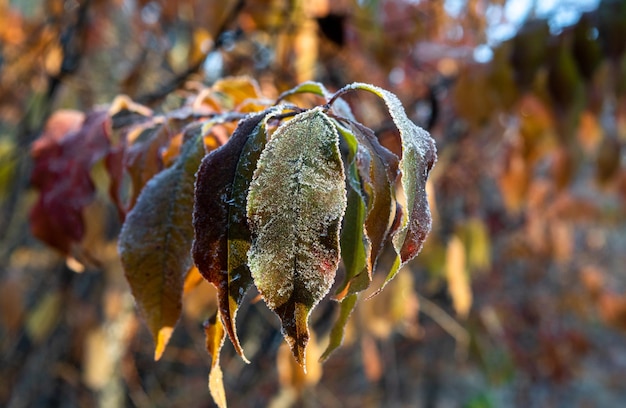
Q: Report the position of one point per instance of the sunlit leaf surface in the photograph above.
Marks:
(296, 202)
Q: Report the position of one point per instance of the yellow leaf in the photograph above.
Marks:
(457, 277)
(192, 279)
(162, 339)
(238, 89)
(215, 336)
(97, 365)
(475, 237)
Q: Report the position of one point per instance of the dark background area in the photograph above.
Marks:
(519, 295)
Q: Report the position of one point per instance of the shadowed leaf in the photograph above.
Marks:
(222, 237)
(295, 205)
(156, 238)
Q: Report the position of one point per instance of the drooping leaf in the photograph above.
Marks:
(418, 157)
(295, 206)
(355, 246)
(354, 249)
(63, 157)
(339, 328)
(378, 170)
(215, 336)
(156, 238)
(222, 236)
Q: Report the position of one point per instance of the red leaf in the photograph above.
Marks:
(63, 156)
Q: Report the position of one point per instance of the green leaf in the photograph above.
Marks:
(339, 328)
(418, 157)
(355, 246)
(222, 237)
(296, 203)
(377, 171)
(156, 238)
(313, 87)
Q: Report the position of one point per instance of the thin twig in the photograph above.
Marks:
(181, 78)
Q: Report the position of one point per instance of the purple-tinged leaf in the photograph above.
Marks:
(222, 236)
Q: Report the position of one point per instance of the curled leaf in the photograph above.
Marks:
(418, 157)
(156, 238)
(377, 170)
(222, 237)
(295, 206)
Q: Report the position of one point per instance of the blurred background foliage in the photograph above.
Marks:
(519, 296)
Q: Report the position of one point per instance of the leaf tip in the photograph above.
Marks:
(294, 317)
(229, 324)
(216, 386)
(162, 337)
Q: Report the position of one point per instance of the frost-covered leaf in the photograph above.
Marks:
(295, 206)
(418, 157)
(63, 157)
(215, 335)
(371, 205)
(222, 237)
(155, 241)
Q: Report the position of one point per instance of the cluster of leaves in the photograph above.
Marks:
(275, 204)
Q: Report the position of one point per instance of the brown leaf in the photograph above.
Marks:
(155, 241)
